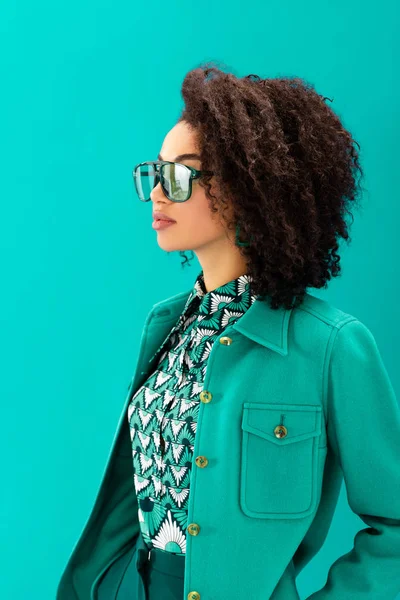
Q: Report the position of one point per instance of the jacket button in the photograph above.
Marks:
(205, 396)
(193, 528)
(193, 596)
(225, 340)
(201, 461)
(280, 431)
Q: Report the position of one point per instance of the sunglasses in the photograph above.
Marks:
(175, 178)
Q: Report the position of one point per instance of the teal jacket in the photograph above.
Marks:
(294, 401)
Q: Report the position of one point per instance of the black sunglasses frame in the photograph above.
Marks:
(158, 177)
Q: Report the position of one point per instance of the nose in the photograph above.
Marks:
(157, 192)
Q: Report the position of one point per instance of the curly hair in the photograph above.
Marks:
(288, 167)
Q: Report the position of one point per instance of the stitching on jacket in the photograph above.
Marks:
(327, 362)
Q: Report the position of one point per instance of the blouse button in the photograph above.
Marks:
(225, 340)
(193, 528)
(280, 431)
(205, 396)
(201, 461)
(193, 596)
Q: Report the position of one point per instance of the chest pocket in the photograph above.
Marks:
(279, 459)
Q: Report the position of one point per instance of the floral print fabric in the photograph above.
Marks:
(169, 399)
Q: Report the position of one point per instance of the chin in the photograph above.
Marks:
(169, 245)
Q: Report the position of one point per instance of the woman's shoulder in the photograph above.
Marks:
(325, 311)
(319, 321)
(170, 301)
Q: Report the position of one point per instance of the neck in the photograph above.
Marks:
(221, 262)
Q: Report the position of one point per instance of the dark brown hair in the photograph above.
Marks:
(286, 163)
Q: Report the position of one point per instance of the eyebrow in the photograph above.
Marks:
(182, 157)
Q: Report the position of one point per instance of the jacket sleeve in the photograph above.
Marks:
(363, 428)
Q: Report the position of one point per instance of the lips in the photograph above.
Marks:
(159, 216)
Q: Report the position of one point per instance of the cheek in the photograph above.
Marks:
(199, 215)
(203, 224)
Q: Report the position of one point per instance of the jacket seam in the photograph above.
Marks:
(334, 323)
(327, 360)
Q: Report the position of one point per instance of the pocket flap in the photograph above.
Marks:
(302, 421)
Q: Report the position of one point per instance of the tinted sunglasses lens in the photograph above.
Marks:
(145, 178)
(175, 180)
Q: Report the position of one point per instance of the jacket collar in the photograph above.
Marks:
(260, 323)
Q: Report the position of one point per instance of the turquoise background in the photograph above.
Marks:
(88, 90)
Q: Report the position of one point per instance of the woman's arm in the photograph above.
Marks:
(364, 432)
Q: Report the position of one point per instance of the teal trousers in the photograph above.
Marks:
(140, 574)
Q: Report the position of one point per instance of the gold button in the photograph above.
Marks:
(225, 340)
(193, 596)
(280, 431)
(193, 528)
(205, 396)
(201, 461)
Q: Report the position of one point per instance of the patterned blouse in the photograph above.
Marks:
(169, 400)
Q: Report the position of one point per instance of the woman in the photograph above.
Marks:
(251, 397)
